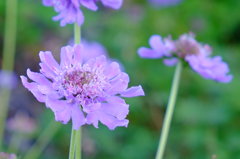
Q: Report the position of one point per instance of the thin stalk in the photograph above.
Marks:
(78, 144)
(169, 112)
(75, 144)
(43, 140)
(77, 34)
(72, 145)
(8, 57)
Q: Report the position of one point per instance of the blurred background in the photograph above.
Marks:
(206, 122)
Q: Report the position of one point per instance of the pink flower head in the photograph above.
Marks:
(187, 48)
(70, 12)
(86, 92)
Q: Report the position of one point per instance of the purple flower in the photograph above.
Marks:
(8, 79)
(164, 3)
(92, 50)
(193, 52)
(22, 123)
(70, 12)
(86, 92)
(4, 155)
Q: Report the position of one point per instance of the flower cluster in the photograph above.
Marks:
(86, 92)
(70, 12)
(187, 48)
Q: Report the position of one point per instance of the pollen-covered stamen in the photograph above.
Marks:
(186, 46)
(74, 81)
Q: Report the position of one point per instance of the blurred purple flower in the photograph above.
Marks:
(22, 123)
(193, 52)
(70, 12)
(86, 92)
(4, 155)
(164, 3)
(92, 50)
(8, 79)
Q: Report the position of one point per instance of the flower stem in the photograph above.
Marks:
(77, 33)
(8, 57)
(75, 144)
(72, 145)
(78, 144)
(169, 112)
(43, 140)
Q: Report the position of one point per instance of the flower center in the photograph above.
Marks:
(75, 81)
(84, 85)
(187, 47)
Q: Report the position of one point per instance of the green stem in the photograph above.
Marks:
(169, 112)
(75, 144)
(77, 34)
(43, 140)
(72, 145)
(78, 144)
(8, 57)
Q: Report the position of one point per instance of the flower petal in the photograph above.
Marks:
(144, 52)
(78, 118)
(133, 92)
(47, 58)
(116, 107)
(33, 87)
(119, 84)
(89, 4)
(171, 61)
(115, 4)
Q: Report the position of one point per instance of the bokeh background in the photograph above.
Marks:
(206, 122)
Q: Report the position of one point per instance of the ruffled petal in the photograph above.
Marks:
(133, 92)
(119, 83)
(33, 87)
(144, 52)
(112, 70)
(47, 58)
(66, 56)
(116, 107)
(78, 118)
(77, 55)
(91, 107)
(89, 4)
(55, 104)
(110, 121)
(63, 116)
(47, 2)
(38, 78)
(115, 4)
(156, 42)
(210, 68)
(171, 61)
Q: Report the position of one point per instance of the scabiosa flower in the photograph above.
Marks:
(187, 48)
(70, 12)
(86, 92)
